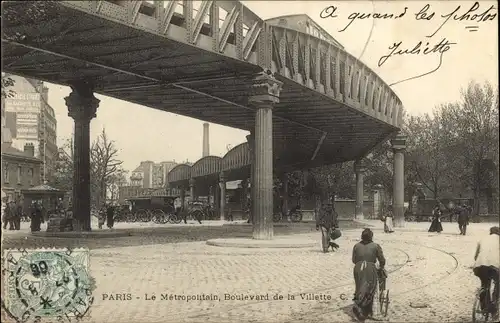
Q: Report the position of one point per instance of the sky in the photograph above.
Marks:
(141, 133)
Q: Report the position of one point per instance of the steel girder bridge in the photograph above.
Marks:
(305, 100)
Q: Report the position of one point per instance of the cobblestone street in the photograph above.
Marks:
(426, 270)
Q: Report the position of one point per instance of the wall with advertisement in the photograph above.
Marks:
(23, 102)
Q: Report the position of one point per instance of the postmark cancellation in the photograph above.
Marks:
(47, 284)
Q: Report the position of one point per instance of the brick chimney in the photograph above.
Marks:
(206, 142)
(29, 149)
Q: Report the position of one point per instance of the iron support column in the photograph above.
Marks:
(266, 90)
(359, 169)
(222, 185)
(82, 107)
(399, 146)
(183, 198)
(250, 140)
(284, 181)
(191, 189)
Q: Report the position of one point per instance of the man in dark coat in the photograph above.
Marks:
(463, 219)
(110, 216)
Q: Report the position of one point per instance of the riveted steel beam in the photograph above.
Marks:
(199, 19)
(250, 39)
(227, 26)
(166, 16)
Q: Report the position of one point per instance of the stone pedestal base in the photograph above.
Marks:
(59, 225)
(277, 242)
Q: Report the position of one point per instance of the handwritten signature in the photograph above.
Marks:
(398, 49)
(419, 49)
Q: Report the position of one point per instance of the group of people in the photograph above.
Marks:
(13, 213)
(367, 274)
(462, 212)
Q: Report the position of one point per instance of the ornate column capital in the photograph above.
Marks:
(399, 142)
(359, 166)
(82, 104)
(265, 90)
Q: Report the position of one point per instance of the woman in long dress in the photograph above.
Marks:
(436, 225)
(36, 218)
(388, 224)
(365, 254)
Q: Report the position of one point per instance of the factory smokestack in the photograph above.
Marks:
(206, 141)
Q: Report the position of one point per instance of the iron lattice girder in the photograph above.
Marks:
(288, 45)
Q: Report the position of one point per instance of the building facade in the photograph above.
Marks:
(20, 169)
(149, 178)
(31, 120)
(151, 175)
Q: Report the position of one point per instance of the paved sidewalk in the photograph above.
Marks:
(425, 269)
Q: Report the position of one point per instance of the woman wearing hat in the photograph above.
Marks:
(365, 254)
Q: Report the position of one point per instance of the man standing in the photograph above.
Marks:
(19, 214)
(110, 216)
(463, 219)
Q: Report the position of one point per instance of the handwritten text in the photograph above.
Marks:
(419, 49)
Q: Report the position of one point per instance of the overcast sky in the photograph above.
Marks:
(141, 133)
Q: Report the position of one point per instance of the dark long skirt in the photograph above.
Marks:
(436, 226)
(110, 220)
(366, 279)
(36, 221)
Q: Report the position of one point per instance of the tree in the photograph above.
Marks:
(115, 182)
(104, 165)
(106, 171)
(62, 172)
(428, 152)
(331, 180)
(474, 136)
(379, 167)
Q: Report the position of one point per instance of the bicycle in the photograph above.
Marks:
(296, 216)
(383, 293)
(480, 314)
(277, 217)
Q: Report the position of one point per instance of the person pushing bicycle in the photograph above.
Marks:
(486, 268)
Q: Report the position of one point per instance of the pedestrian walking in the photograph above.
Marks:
(365, 255)
(388, 221)
(36, 217)
(9, 216)
(110, 216)
(101, 217)
(327, 219)
(463, 219)
(19, 214)
(436, 225)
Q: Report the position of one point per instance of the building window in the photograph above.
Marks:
(30, 175)
(19, 174)
(6, 173)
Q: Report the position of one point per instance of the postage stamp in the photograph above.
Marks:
(47, 283)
